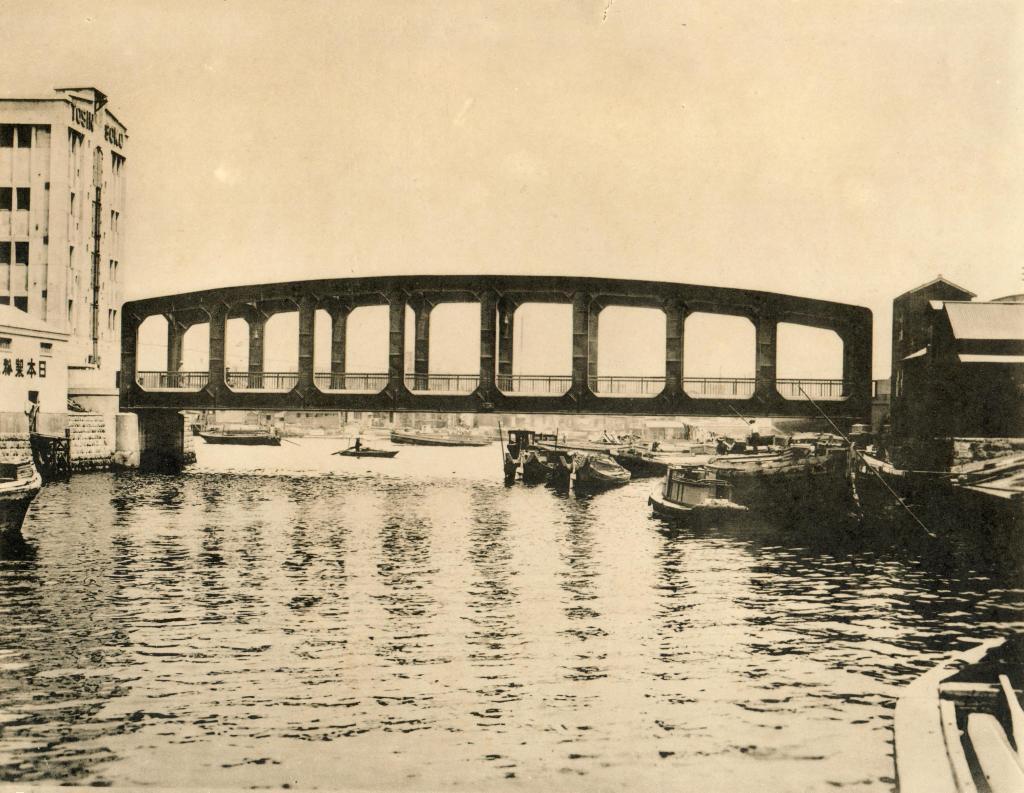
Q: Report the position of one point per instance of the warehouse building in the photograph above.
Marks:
(62, 203)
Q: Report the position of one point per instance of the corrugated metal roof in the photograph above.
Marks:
(987, 320)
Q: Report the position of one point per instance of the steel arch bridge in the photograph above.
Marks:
(495, 388)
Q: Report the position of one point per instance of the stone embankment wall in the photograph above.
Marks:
(188, 446)
(14, 446)
(91, 447)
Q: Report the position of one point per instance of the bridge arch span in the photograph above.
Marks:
(397, 389)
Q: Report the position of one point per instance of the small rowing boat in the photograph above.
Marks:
(588, 472)
(959, 728)
(19, 484)
(366, 451)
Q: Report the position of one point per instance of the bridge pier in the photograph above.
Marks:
(488, 334)
(257, 323)
(217, 383)
(164, 441)
(307, 318)
(396, 345)
(176, 331)
(506, 337)
(584, 346)
(675, 322)
(339, 331)
(421, 344)
(766, 328)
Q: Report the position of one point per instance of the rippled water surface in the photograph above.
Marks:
(287, 617)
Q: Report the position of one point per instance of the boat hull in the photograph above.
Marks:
(786, 485)
(419, 439)
(382, 453)
(712, 511)
(15, 499)
(968, 515)
(240, 440)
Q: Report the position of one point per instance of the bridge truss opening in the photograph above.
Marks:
(535, 349)
(810, 363)
(630, 352)
(719, 356)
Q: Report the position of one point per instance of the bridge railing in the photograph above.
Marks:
(719, 387)
(367, 382)
(446, 383)
(262, 381)
(814, 388)
(534, 384)
(172, 381)
(629, 386)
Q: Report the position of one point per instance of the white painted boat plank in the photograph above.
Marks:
(1016, 714)
(996, 757)
(955, 749)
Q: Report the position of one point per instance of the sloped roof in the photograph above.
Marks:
(985, 321)
(16, 319)
(938, 280)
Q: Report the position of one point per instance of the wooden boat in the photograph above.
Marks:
(647, 462)
(795, 480)
(248, 436)
(437, 438)
(19, 484)
(980, 502)
(366, 451)
(588, 472)
(959, 728)
(523, 458)
(694, 493)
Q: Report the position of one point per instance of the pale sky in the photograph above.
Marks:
(838, 150)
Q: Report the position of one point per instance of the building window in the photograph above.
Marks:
(5, 300)
(71, 310)
(6, 196)
(24, 136)
(24, 197)
(21, 253)
(5, 253)
(21, 301)
(6, 136)
(5, 344)
(45, 348)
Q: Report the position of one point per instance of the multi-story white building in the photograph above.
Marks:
(62, 202)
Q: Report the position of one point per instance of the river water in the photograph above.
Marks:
(284, 617)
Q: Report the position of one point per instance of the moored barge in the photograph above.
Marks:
(20, 483)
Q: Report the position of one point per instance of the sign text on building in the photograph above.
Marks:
(113, 136)
(81, 117)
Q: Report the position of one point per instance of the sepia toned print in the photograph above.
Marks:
(509, 397)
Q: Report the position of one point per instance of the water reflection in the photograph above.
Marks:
(435, 631)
